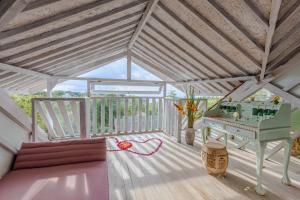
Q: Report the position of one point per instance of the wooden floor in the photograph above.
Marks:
(176, 172)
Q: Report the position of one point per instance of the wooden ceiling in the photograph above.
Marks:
(178, 40)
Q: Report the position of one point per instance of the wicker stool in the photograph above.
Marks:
(296, 147)
(215, 158)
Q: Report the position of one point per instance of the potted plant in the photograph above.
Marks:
(190, 110)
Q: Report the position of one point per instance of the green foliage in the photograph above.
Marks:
(24, 102)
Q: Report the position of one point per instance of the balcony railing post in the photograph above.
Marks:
(179, 125)
(84, 118)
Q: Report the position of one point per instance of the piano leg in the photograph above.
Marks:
(203, 132)
(287, 153)
(225, 139)
(260, 151)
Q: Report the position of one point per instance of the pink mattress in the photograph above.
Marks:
(82, 181)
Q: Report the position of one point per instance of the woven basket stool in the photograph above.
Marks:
(215, 158)
(296, 147)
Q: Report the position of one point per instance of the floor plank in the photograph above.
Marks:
(176, 172)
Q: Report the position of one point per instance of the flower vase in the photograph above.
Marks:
(190, 136)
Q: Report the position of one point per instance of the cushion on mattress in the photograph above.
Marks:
(46, 154)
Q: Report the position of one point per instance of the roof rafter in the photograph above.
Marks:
(15, 69)
(272, 25)
(38, 4)
(9, 9)
(151, 5)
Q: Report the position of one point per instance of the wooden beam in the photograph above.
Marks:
(293, 83)
(219, 80)
(129, 65)
(14, 112)
(38, 4)
(9, 9)
(272, 25)
(150, 7)
(20, 70)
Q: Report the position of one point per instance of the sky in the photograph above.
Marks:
(114, 70)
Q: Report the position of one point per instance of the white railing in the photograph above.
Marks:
(123, 115)
(63, 117)
(105, 116)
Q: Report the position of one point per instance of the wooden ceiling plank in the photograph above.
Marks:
(103, 53)
(224, 36)
(25, 83)
(38, 4)
(157, 69)
(190, 56)
(155, 62)
(257, 12)
(87, 41)
(15, 69)
(70, 37)
(284, 57)
(270, 33)
(191, 66)
(150, 7)
(193, 46)
(52, 19)
(74, 25)
(9, 9)
(234, 23)
(162, 55)
(157, 59)
(104, 41)
(97, 64)
(206, 42)
(68, 58)
(288, 13)
(16, 78)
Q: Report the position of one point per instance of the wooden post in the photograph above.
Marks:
(82, 116)
(179, 126)
(34, 125)
(128, 65)
(147, 114)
